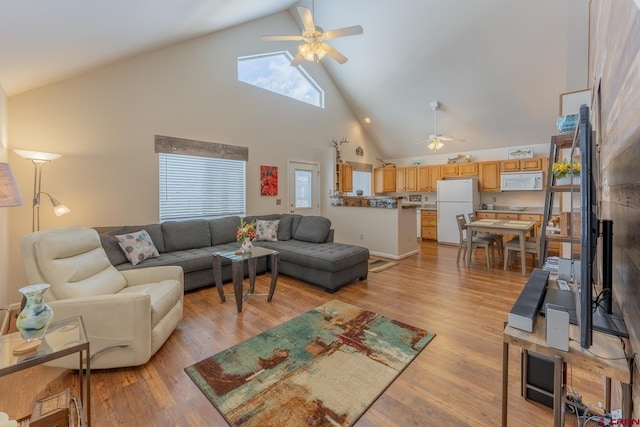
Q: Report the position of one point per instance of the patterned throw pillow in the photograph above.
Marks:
(137, 246)
(267, 230)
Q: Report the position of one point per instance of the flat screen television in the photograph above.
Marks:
(599, 313)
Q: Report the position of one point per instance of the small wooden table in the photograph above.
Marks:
(237, 268)
(501, 226)
(605, 357)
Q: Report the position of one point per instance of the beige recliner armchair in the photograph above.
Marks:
(128, 315)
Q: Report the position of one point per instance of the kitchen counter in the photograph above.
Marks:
(532, 210)
(421, 206)
(368, 202)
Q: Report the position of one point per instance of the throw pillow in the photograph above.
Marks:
(314, 229)
(267, 230)
(137, 246)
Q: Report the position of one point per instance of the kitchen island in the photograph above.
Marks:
(387, 229)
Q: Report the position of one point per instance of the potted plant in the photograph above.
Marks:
(565, 171)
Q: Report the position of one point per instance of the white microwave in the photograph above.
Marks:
(521, 181)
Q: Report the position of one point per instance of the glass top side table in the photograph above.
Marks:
(237, 259)
(63, 338)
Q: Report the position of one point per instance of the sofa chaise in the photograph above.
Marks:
(305, 243)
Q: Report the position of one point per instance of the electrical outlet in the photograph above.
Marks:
(362, 237)
(494, 199)
(426, 198)
(278, 201)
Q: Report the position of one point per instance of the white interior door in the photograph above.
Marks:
(304, 184)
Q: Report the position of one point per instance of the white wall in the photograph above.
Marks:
(103, 123)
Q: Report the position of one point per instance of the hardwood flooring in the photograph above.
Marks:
(455, 381)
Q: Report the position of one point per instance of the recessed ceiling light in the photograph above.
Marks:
(367, 120)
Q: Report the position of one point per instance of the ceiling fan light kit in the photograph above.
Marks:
(435, 139)
(314, 48)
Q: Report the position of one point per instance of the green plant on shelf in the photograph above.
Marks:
(565, 168)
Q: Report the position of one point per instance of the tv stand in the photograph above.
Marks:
(612, 324)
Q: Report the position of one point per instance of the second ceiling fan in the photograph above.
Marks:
(314, 47)
(435, 139)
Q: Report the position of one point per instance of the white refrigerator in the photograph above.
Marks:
(454, 197)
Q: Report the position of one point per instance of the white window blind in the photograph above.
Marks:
(200, 187)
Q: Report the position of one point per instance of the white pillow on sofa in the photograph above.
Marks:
(137, 246)
(267, 230)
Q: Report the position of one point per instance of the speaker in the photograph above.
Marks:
(557, 330)
(537, 378)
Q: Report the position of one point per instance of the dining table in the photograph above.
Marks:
(500, 226)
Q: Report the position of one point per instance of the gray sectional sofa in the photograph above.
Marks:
(305, 243)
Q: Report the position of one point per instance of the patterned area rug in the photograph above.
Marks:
(378, 265)
(323, 368)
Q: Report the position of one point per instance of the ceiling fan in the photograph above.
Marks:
(435, 140)
(314, 48)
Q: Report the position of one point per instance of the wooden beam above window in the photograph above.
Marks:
(191, 147)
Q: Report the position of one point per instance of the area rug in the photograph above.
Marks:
(378, 265)
(322, 368)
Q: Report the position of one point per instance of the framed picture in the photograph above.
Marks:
(520, 153)
(570, 102)
(268, 180)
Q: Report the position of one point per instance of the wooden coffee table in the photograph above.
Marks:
(237, 268)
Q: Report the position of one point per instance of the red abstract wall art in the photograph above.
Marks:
(268, 180)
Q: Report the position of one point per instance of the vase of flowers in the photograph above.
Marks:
(246, 232)
(566, 172)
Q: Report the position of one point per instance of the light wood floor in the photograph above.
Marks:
(455, 381)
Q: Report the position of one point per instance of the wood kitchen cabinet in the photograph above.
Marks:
(429, 225)
(489, 173)
(459, 169)
(344, 178)
(449, 169)
(522, 165)
(428, 177)
(485, 215)
(384, 180)
(401, 179)
(468, 169)
(407, 179)
(411, 179)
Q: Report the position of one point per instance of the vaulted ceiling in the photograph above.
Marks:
(497, 67)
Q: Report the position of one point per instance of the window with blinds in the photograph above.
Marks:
(200, 187)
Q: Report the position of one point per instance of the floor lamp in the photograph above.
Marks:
(39, 159)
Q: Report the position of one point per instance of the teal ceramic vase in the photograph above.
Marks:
(36, 315)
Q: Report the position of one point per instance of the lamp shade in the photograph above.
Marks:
(38, 155)
(9, 193)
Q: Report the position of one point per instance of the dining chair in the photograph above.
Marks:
(496, 238)
(531, 246)
(476, 241)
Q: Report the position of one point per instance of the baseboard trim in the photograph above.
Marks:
(390, 256)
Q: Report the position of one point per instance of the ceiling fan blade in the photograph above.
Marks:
(343, 32)
(307, 19)
(297, 60)
(274, 38)
(448, 138)
(337, 56)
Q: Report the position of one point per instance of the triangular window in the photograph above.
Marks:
(273, 72)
